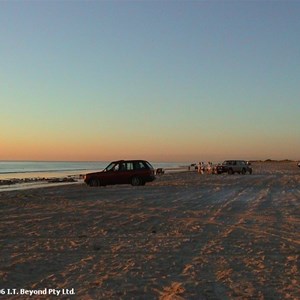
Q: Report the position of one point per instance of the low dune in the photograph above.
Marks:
(184, 236)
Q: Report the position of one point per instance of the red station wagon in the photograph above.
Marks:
(135, 172)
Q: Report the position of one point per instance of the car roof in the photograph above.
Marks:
(127, 160)
(237, 160)
(234, 160)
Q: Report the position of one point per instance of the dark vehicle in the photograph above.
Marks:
(299, 164)
(135, 172)
(234, 166)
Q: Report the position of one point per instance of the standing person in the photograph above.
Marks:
(209, 168)
(201, 167)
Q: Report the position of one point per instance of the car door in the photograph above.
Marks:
(140, 169)
(127, 173)
(113, 175)
(122, 176)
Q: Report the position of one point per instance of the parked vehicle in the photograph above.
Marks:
(135, 172)
(299, 164)
(234, 166)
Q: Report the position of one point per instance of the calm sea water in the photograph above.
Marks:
(29, 169)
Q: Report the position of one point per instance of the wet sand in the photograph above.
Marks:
(184, 236)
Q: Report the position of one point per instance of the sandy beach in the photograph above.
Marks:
(184, 236)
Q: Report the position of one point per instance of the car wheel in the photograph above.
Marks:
(230, 171)
(250, 172)
(243, 171)
(135, 181)
(94, 182)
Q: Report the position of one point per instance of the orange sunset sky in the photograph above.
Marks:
(162, 81)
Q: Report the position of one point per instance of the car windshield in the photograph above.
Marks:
(110, 167)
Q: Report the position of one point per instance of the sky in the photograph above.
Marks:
(156, 80)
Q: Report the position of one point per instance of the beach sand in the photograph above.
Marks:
(184, 236)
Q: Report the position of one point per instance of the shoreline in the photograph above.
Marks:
(37, 182)
(57, 178)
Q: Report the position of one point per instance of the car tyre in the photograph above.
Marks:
(135, 181)
(94, 182)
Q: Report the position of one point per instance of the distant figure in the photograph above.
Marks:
(214, 169)
(160, 171)
(209, 168)
(201, 167)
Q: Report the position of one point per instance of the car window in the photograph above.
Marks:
(110, 167)
(138, 165)
(116, 167)
(142, 165)
(129, 166)
(122, 167)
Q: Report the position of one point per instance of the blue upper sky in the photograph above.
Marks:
(161, 80)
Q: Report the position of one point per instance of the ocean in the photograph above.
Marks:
(51, 169)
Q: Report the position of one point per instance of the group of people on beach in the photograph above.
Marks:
(206, 168)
